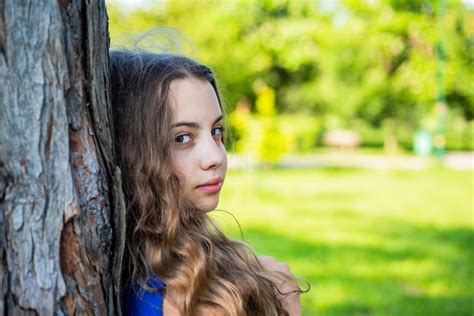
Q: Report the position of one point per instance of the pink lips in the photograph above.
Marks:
(211, 186)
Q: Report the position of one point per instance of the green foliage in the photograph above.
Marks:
(260, 134)
(459, 134)
(243, 125)
(296, 132)
(302, 131)
(365, 60)
(367, 244)
(271, 145)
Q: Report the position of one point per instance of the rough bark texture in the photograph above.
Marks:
(61, 208)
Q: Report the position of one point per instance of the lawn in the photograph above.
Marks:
(370, 242)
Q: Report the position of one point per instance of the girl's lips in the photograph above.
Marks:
(211, 188)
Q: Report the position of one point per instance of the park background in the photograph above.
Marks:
(351, 127)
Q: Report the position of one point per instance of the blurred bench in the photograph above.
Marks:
(341, 139)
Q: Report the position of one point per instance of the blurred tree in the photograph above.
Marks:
(368, 60)
(271, 143)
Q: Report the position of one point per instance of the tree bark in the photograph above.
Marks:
(61, 206)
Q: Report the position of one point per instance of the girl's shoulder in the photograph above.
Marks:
(138, 301)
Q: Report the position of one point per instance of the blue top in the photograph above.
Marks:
(137, 301)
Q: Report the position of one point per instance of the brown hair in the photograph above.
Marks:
(166, 235)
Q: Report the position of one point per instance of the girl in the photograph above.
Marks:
(169, 130)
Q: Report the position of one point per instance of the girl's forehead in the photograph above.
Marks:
(192, 99)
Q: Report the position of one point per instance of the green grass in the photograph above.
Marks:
(369, 242)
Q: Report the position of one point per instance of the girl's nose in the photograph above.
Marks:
(213, 154)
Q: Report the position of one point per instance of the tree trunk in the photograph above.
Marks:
(61, 207)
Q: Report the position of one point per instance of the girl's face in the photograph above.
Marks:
(198, 152)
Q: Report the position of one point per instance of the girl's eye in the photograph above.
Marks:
(182, 139)
(218, 131)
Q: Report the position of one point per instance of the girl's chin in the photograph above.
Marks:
(208, 206)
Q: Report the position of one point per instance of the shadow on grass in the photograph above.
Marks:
(368, 274)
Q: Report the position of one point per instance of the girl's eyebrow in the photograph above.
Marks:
(194, 124)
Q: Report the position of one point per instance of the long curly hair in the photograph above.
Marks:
(166, 235)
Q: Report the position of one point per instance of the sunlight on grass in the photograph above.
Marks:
(369, 242)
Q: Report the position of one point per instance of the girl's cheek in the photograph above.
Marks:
(179, 161)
